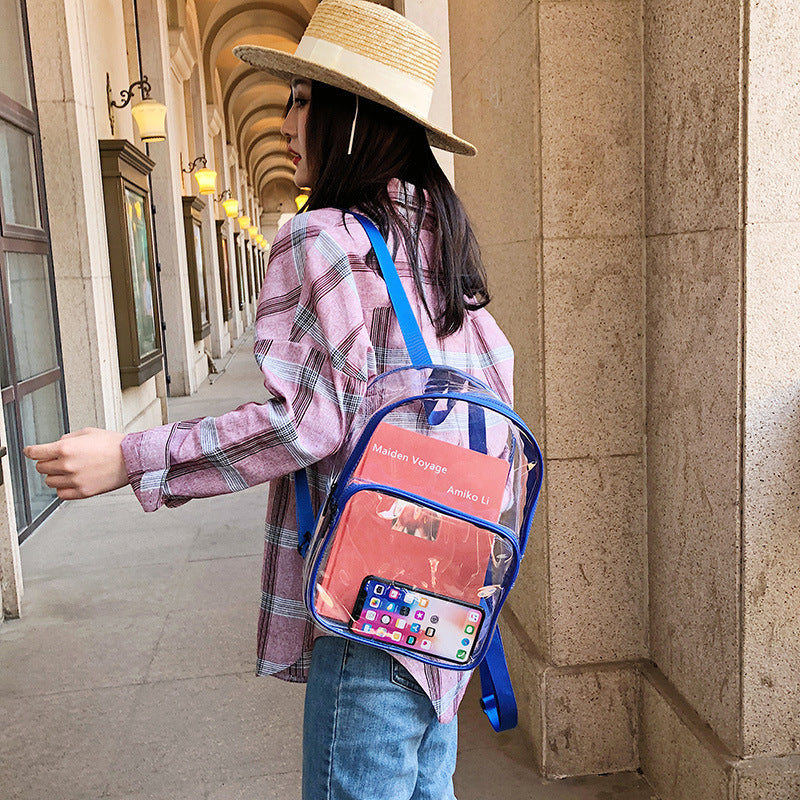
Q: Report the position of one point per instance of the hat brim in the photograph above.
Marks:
(286, 66)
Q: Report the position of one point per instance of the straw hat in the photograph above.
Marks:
(370, 51)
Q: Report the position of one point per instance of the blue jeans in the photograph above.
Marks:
(369, 731)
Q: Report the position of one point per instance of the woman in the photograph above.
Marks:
(357, 130)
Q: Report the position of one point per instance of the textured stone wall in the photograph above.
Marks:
(639, 210)
(693, 242)
(551, 94)
(771, 364)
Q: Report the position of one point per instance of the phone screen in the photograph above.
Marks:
(416, 620)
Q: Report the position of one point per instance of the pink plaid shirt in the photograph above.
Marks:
(324, 328)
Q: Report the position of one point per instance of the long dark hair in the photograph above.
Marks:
(388, 145)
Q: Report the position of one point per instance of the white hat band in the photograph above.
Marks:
(398, 87)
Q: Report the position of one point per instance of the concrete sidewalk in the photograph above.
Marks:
(130, 674)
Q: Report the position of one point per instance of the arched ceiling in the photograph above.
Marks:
(253, 103)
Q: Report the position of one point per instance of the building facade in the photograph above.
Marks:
(635, 196)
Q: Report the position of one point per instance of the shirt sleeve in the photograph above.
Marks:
(312, 346)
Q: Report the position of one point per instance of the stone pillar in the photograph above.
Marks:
(237, 323)
(179, 339)
(204, 146)
(65, 94)
(550, 93)
(432, 16)
(10, 564)
(721, 702)
(270, 224)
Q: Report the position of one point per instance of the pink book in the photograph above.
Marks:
(399, 540)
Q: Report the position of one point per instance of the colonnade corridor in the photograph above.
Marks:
(130, 674)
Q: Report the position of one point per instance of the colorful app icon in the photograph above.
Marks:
(419, 615)
(367, 627)
(370, 615)
(374, 602)
(425, 644)
(465, 642)
(423, 602)
(400, 623)
(473, 616)
(394, 594)
(461, 655)
(378, 589)
(381, 632)
(405, 610)
(415, 626)
(430, 632)
(470, 629)
(411, 640)
(391, 606)
(385, 619)
(396, 636)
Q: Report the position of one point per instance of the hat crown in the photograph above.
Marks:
(371, 51)
(377, 33)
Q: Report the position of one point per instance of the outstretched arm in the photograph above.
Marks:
(81, 464)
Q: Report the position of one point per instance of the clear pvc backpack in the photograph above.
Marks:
(420, 538)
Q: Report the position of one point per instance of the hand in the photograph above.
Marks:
(81, 464)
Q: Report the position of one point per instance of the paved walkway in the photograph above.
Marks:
(130, 674)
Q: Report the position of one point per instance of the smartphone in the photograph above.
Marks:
(416, 619)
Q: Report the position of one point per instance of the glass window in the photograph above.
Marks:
(18, 177)
(201, 278)
(140, 272)
(13, 62)
(31, 314)
(40, 413)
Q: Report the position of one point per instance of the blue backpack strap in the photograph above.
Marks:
(303, 511)
(497, 695)
(412, 335)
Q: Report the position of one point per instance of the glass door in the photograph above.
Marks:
(31, 377)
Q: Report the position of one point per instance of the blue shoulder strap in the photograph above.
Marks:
(409, 327)
(497, 698)
(497, 695)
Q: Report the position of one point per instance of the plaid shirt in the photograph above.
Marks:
(324, 328)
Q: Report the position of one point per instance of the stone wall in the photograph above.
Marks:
(637, 201)
(550, 93)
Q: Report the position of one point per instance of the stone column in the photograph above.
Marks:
(237, 323)
(65, 95)
(721, 702)
(432, 16)
(269, 224)
(180, 346)
(550, 93)
(203, 144)
(10, 564)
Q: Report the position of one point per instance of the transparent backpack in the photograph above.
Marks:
(420, 538)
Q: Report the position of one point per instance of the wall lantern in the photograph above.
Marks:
(148, 115)
(301, 200)
(231, 204)
(244, 222)
(206, 178)
(253, 231)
